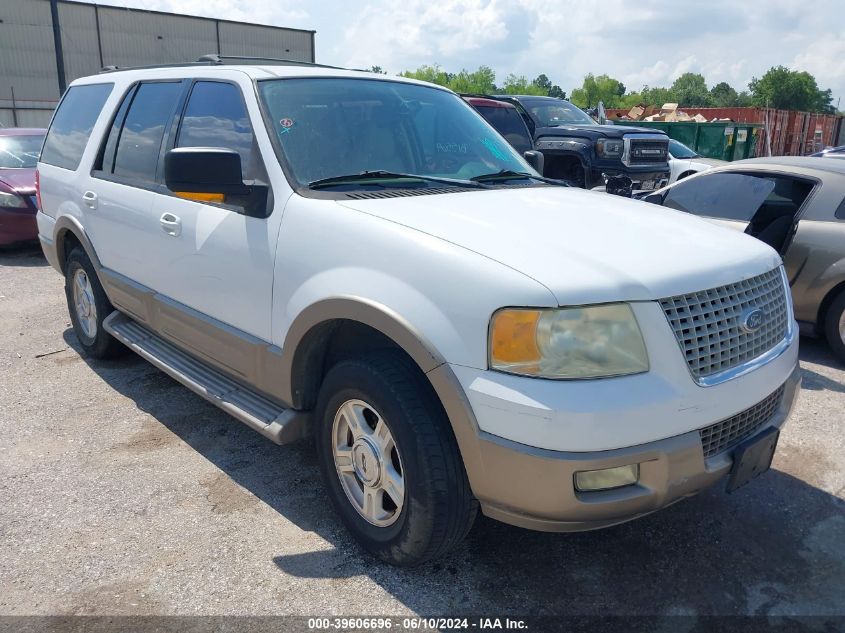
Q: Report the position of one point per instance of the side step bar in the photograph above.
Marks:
(257, 412)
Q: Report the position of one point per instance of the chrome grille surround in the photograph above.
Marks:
(708, 324)
(726, 434)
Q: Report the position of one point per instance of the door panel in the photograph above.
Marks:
(815, 263)
(212, 257)
(220, 263)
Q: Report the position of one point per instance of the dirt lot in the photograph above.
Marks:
(123, 493)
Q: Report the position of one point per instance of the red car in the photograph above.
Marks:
(19, 149)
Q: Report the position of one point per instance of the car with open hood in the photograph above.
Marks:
(796, 205)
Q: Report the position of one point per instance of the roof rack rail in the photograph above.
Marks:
(214, 58)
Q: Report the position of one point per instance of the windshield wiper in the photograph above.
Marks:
(380, 174)
(507, 174)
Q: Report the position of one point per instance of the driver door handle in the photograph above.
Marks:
(171, 224)
(90, 199)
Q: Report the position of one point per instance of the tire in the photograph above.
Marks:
(437, 507)
(834, 326)
(88, 313)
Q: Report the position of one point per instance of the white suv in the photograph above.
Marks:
(363, 259)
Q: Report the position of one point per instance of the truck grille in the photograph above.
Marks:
(708, 325)
(648, 152)
(726, 434)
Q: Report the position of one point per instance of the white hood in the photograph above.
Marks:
(585, 247)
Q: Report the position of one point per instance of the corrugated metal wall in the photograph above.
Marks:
(791, 133)
(94, 36)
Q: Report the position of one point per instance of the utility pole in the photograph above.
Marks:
(57, 42)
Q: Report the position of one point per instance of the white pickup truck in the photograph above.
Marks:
(363, 260)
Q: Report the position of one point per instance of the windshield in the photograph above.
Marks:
(558, 112)
(679, 150)
(331, 127)
(19, 152)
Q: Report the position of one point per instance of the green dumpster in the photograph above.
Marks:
(724, 140)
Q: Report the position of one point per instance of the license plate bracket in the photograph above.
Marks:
(752, 458)
(647, 185)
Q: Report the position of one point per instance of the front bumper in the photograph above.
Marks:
(527, 437)
(659, 178)
(534, 488)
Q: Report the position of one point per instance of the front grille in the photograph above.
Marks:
(726, 434)
(648, 152)
(708, 324)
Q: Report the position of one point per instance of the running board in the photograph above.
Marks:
(272, 420)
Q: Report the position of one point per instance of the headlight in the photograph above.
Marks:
(609, 148)
(588, 342)
(13, 200)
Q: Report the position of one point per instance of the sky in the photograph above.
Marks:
(639, 42)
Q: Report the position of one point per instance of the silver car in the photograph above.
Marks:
(796, 205)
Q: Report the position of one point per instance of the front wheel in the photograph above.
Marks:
(834, 326)
(390, 460)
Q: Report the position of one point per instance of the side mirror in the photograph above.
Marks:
(213, 174)
(535, 159)
(601, 113)
(207, 170)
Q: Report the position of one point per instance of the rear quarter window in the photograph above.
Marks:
(72, 124)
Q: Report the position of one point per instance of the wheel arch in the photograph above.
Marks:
(824, 306)
(310, 336)
(307, 349)
(67, 233)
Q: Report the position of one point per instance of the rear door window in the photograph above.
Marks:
(72, 124)
(149, 116)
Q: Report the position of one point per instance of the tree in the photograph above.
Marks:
(433, 74)
(722, 95)
(378, 70)
(545, 84)
(788, 89)
(482, 81)
(594, 89)
(519, 85)
(690, 89)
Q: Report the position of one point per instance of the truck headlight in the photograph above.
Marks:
(586, 342)
(609, 148)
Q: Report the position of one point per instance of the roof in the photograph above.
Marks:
(537, 97)
(484, 102)
(254, 71)
(22, 131)
(804, 163)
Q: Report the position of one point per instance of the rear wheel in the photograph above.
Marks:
(390, 460)
(834, 326)
(88, 306)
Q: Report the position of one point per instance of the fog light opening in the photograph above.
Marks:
(607, 478)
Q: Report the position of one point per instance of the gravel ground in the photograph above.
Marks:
(121, 492)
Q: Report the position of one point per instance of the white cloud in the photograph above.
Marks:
(650, 42)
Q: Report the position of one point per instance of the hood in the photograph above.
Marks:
(19, 180)
(713, 162)
(584, 246)
(607, 131)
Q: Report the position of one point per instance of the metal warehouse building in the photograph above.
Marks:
(46, 44)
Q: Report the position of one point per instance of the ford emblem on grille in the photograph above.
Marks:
(752, 320)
